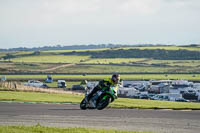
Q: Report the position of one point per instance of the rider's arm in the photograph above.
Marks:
(103, 84)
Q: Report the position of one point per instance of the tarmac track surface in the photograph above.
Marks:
(58, 115)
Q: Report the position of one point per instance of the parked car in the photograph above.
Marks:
(137, 96)
(49, 79)
(143, 96)
(150, 95)
(162, 97)
(61, 84)
(140, 87)
(35, 83)
(190, 96)
(181, 99)
(78, 87)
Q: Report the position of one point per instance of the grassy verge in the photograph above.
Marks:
(39, 97)
(92, 77)
(72, 98)
(42, 129)
(153, 104)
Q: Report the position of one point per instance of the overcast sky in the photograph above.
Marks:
(34, 23)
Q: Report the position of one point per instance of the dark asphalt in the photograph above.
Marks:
(165, 121)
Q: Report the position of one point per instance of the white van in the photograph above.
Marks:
(61, 84)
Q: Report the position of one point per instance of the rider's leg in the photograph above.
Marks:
(91, 93)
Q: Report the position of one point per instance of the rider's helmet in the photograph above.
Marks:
(115, 78)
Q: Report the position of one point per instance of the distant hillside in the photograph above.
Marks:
(159, 54)
(90, 46)
(72, 47)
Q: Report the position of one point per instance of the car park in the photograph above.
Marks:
(161, 90)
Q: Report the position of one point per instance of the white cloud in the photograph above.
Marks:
(138, 7)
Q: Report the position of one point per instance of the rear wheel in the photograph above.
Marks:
(83, 104)
(103, 102)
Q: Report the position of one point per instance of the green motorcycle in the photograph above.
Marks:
(100, 99)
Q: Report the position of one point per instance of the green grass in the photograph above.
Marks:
(142, 47)
(39, 97)
(113, 60)
(27, 66)
(182, 63)
(35, 63)
(21, 53)
(41, 129)
(93, 77)
(114, 69)
(72, 98)
(153, 104)
(145, 68)
(65, 51)
(166, 48)
(191, 63)
(104, 66)
(51, 59)
(32, 66)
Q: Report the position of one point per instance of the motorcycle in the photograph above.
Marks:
(100, 99)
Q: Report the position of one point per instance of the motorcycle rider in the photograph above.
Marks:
(108, 82)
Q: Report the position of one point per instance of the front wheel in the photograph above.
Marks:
(83, 104)
(103, 102)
